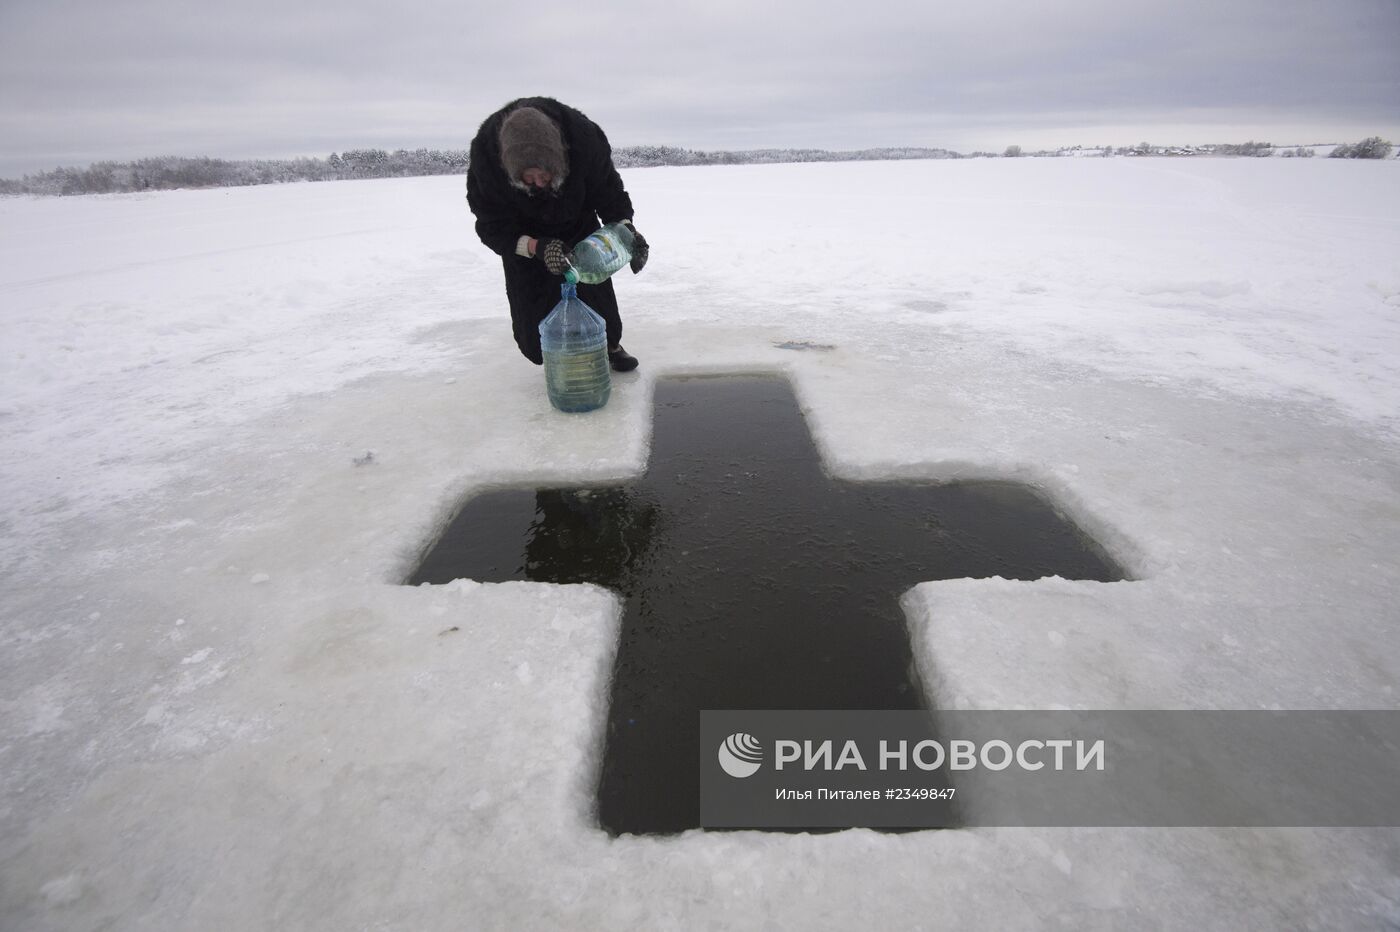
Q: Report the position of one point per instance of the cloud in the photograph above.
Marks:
(81, 80)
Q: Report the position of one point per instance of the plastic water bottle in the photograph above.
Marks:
(575, 344)
(600, 254)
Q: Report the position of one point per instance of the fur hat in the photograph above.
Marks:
(530, 139)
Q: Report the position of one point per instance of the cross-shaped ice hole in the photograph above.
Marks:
(751, 579)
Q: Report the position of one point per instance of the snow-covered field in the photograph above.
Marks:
(219, 710)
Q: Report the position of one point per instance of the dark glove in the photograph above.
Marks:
(554, 254)
(640, 250)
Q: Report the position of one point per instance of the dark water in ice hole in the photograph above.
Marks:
(751, 579)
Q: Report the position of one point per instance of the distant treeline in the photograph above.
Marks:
(649, 156)
(1373, 148)
(170, 172)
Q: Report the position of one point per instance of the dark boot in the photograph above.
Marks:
(620, 361)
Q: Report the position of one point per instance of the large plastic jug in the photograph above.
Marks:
(600, 254)
(575, 344)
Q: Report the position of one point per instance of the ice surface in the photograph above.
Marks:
(219, 710)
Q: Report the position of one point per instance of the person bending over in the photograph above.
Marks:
(541, 179)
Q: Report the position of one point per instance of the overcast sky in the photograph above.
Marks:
(83, 80)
